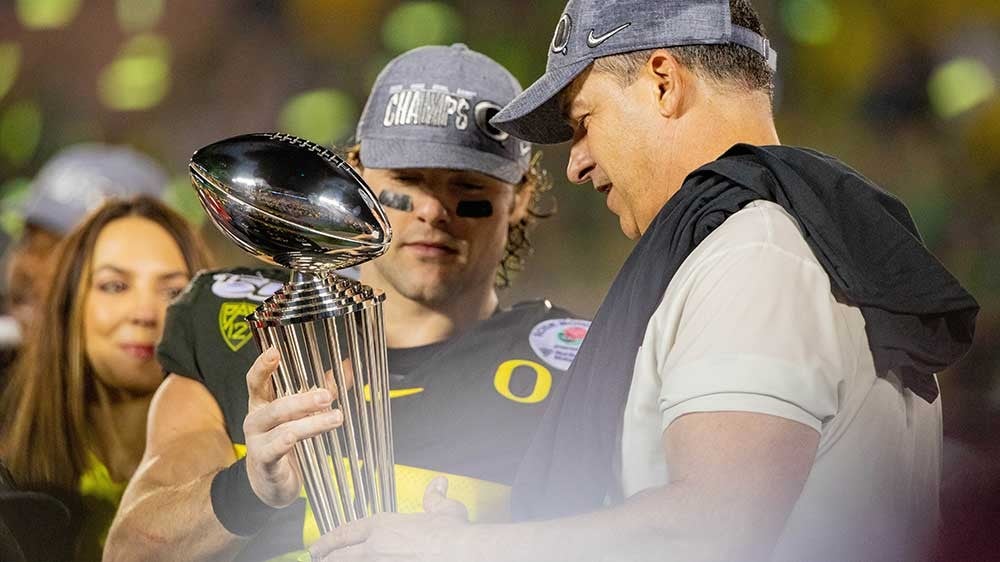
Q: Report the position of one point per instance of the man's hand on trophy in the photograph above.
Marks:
(273, 427)
(410, 537)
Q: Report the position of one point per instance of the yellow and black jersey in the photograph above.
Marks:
(466, 407)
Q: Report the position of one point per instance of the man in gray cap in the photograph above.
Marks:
(71, 183)
(470, 381)
(759, 382)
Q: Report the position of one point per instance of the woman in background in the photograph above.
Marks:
(74, 413)
(70, 185)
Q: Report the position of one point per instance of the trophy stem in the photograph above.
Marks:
(299, 350)
(378, 394)
(361, 369)
(347, 409)
(330, 334)
(331, 447)
(383, 369)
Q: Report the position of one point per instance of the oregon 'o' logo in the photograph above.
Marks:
(560, 39)
(540, 391)
(485, 110)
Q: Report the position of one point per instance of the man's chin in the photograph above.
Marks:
(429, 288)
(629, 228)
(430, 295)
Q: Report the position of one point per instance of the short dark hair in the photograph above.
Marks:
(729, 64)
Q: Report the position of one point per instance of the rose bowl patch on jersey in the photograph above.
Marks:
(556, 341)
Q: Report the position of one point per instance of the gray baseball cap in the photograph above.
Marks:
(590, 29)
(77, 179)
(431, 107)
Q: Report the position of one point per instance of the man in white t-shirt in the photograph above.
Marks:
(759, 382)
(749, 324)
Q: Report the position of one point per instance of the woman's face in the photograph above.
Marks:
(136, 269)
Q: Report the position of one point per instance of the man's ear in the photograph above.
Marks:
(671, 80)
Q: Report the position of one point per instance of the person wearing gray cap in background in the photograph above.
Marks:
(759, 383)
(79, 178)
(71, 183)
(470, 380)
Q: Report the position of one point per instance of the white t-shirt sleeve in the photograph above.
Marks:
(759, 331)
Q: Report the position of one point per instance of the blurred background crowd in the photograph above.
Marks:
(906, 91)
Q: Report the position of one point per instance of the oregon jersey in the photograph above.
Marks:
(466, 407)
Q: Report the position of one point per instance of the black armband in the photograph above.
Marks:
(235, 504)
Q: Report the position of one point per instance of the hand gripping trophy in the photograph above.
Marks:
(294, 204)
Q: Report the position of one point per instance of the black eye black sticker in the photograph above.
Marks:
(395, 200)
(474, 209)
(465, 209)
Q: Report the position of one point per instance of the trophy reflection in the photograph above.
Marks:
(294, 204)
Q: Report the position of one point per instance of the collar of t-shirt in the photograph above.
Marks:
(405, 360)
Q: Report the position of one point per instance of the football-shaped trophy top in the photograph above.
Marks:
(290, 202)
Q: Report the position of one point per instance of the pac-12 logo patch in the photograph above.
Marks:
(557, 341)
(233, 325)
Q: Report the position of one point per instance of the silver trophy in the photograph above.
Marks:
(292, 203)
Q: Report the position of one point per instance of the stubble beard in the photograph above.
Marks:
(427, 291)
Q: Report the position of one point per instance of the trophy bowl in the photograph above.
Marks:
(290, 202)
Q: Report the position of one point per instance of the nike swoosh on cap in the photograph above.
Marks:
(595, 41)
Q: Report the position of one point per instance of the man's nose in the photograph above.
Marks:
(580, 164)
(430, 208)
